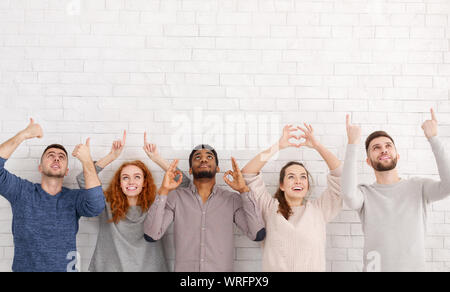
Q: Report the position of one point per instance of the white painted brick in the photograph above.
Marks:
(413, 81)
(136, 64)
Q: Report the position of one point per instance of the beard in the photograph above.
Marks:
(378, 166)
(204, 174)
(49, 173)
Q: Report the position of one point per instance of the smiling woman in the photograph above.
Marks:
(121, 244)
(132, 185)
(295, 187)
(296, 225)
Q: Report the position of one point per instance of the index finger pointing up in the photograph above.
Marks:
(124, 137)
(173, 166)
(235, 165)
(433, 115)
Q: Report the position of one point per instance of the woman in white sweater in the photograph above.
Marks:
(295, 225)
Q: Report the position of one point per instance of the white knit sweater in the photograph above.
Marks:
(297, 244)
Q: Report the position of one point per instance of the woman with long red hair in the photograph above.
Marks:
(121, 244)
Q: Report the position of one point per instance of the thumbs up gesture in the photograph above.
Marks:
(430, 127)
(33, 130)
(83, 152)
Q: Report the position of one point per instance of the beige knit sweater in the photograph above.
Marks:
(297, 244)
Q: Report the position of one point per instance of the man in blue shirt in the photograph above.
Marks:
(46, 215)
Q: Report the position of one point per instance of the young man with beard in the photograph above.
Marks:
(203, 214)
(46, 215)
(393, 210)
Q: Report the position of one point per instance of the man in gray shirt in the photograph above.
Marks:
(393, 210)
(203, 214)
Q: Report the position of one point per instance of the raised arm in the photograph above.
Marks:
(116, 150)
(152, 152)
(33, 130)
(434, 191)
(330, 202)
(256, 164)
(161, 213)
(311, 142)
(350, 192)
(247, 216)
(83, 153)
(91, 201)
(11, 185)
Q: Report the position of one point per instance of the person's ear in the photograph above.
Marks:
(218, 169)
(281, 187)
(369, 162)
(40, 168)
(190, 171)
(67, 172)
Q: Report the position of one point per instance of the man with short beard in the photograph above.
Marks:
(203, 214)
(393, 210)
(46, 215)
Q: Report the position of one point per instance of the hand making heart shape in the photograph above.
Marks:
(306, 139)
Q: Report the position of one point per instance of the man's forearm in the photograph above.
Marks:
(8, 148)
(349, 181)
(90, 175)
(442, 161)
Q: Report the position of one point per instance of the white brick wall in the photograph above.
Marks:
(94, 67)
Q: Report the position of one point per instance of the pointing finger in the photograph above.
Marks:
(433, 115)
(124, 137)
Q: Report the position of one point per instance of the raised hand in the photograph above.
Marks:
(169, 183)
(430, 127)
(33, 130)
(150, 149)
(308, 135)
(118, 146)
(238, 183)
(83, 152)
(353, 132)
(287, 135)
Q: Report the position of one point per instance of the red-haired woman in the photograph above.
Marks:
(295, 224)
(121, 244)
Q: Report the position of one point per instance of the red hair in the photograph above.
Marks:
(117, 199)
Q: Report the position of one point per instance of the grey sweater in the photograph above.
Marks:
(394, 216)
(122, 247)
